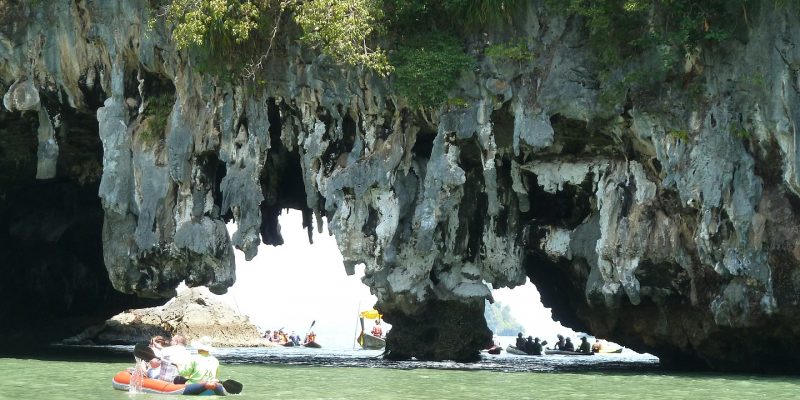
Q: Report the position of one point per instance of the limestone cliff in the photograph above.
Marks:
(664, 221)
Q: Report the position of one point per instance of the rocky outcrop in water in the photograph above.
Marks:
(662, 220)
(194, 313)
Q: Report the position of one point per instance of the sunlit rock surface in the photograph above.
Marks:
(666, 222)
(193, 313)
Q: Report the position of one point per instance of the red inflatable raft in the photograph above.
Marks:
(122, 381)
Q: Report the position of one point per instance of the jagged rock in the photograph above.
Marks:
(193, 313)
(22, 96)
(652, 221)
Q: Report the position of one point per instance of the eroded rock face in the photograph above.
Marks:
(664, 220)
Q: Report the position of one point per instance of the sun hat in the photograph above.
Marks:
(204, 343)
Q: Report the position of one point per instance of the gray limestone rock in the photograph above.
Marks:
(660, 220)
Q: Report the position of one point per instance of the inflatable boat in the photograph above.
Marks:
(122, 381)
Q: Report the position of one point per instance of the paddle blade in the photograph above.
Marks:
(143, 351)
(233, 387)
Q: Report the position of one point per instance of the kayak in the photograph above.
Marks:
(566, 353)
(122, 381)
(609, 351)
(513, 350)
(313, 345)
(494, 349)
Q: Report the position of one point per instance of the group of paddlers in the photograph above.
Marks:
(565, 344)
(280, 337)
(530, 346)
(533, 346)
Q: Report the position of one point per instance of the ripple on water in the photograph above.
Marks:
(503, 362)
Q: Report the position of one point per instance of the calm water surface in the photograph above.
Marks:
(279, 373)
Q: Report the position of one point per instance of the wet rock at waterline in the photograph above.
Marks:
(193, 313)
(663, 220)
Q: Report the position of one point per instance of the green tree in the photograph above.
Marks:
(427, 69)
(342, 29)
(500, 321)
(237, 35)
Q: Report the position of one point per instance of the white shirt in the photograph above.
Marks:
(177, 355)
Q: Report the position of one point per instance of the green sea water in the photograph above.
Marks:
(38, 379)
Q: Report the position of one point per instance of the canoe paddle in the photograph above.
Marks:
(144, 352)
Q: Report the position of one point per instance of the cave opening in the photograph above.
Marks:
(55, 280)
(322, 292)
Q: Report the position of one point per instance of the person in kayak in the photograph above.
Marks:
(377, 331)
(584, 347)
(310, 337)
(202, 367)
(174, 359)
(154, 366)
(520, 344)
(294, 338)
(533, 347)
(568, 345)
(560, 343)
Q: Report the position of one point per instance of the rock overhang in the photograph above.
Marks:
(649, 211)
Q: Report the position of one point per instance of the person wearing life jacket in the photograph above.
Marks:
(284, 338)
(310, 337)
(377, 331)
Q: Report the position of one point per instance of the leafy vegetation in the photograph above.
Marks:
(227, 36)
(232, 38)
(453, 16)
(342, 28)
(427, 70)
(500, 321)
(156, 112)
(680, 134)
(513, 51)
(672, 29)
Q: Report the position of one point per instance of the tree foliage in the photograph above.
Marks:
(672, 29)
(500, 321)
(453, 16)
(230, 36)
(427, 69)
(240, 33)
(342, 29)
